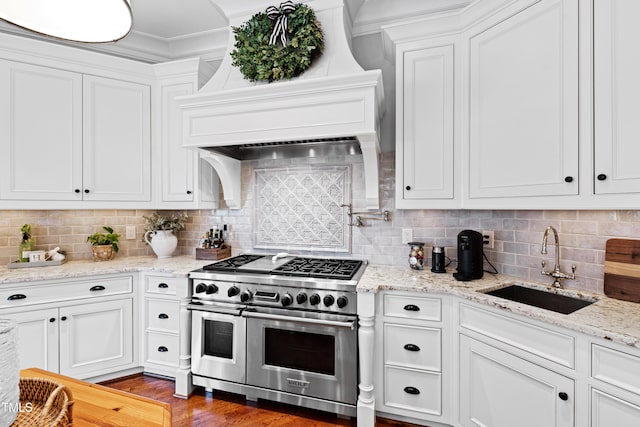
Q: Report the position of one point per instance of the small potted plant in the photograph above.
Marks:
(160, 229)
(104, 245)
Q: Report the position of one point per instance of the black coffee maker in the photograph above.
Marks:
(470, 262)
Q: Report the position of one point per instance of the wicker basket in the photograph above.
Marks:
(44, 403)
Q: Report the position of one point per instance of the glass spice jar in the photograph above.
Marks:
(416, 255)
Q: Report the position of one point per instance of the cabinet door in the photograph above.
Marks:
(37, 338)
(617, 96)
(608, 410)
(498, 389)
(425, 125)
(96, 338)
(116, 140)
(523, 103)
(40, 133)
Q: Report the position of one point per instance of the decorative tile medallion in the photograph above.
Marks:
(299, 208)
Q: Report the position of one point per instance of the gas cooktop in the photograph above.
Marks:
(320, 268)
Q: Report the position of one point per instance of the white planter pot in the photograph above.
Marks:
(163, 242)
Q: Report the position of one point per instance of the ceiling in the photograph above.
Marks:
(165, 30)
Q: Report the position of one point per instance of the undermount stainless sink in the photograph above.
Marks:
(542, 299)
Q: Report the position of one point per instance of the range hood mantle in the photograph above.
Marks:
(334, 100)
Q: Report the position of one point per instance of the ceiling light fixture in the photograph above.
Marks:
(97, 21)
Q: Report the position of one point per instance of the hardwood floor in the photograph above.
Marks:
(222, 409)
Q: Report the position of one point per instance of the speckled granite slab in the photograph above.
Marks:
(607, 318)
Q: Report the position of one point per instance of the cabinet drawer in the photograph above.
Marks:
(39, 294)
(608, 410)
(163, 315)
(163, 348)
(412, 346)
(546, 343)
(171, 286)
(410, 307)
(413, 390)
(616, 368)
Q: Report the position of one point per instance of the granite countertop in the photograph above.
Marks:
(608, 318)
(178, 266)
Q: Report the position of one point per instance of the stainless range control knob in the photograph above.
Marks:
(200, 288)
(245, 296)
(301, 298)
(286, 300)
(212, 289)
(314, 299)
(328, 300)
(233, 291)
(342, 302)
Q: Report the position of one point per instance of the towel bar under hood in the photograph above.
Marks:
(335, 106)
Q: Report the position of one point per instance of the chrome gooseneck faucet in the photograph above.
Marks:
(555, 273)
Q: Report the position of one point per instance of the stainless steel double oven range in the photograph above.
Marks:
(281, 328)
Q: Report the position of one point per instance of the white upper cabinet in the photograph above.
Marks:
(523, 103)
(40, 132)
(617, 96)
(424, 132)
(116, 140)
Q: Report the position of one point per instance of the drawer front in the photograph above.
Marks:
(616, 368)
(170, 286)
(413, 390)
(39, 294)
(410, 307)
(163, 349)
(412, 347)
(608, 410)
(163, 315)
(546, 343)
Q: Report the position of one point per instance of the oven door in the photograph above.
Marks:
(306, 353)
(218, 337)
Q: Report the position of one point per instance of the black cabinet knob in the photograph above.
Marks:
(188, 191)
(568, 179)
(563, 396)
(77, 191)
(86, 190)
(53, 319)
(63, 318)
(163, 285)
(601, 177)
(163, 316)
(411, 347)
(97, 288)
(411, 307)
(408, 187)
(411, 390)
(163, 349)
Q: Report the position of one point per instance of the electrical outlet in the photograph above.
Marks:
(487, 238)
(407, 235)
(131, 232)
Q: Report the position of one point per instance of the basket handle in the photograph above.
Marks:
(54, 396)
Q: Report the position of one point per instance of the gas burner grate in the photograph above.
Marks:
(231, 264)
(319, 268)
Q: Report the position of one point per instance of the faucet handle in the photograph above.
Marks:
(543, 264)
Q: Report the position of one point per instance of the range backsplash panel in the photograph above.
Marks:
(300, 209)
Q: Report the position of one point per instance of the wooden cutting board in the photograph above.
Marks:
(622, 269)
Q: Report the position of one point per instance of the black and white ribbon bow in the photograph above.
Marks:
(280, 16)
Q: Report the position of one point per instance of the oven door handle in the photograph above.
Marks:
(256, 315)
(214, 309)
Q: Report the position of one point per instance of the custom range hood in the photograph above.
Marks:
(333, 107)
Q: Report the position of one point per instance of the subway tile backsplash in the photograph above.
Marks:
(518, 234)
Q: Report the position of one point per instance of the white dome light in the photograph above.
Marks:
(89, 21)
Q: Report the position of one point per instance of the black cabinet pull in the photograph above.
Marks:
(188, 191)
(163, 349)
(411, 307)
(63, 318)
(53, 319)
(601, 177)
(563, 396)
(97, 288)
(77, 191)
(163, 285)
(411, 390)
(16, 297)
(411, 347)
(408, 187)
(86, 190)
(568, 179)
(163, 316)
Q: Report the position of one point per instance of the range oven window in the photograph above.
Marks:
(300, 350)
(218, 339)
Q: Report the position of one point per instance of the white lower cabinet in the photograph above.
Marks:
(498, 389)
(37, 338)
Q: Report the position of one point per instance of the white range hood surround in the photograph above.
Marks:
(334, 99)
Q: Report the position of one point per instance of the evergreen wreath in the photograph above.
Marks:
(262, 51)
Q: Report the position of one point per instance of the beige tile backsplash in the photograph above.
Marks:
(518, 234)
